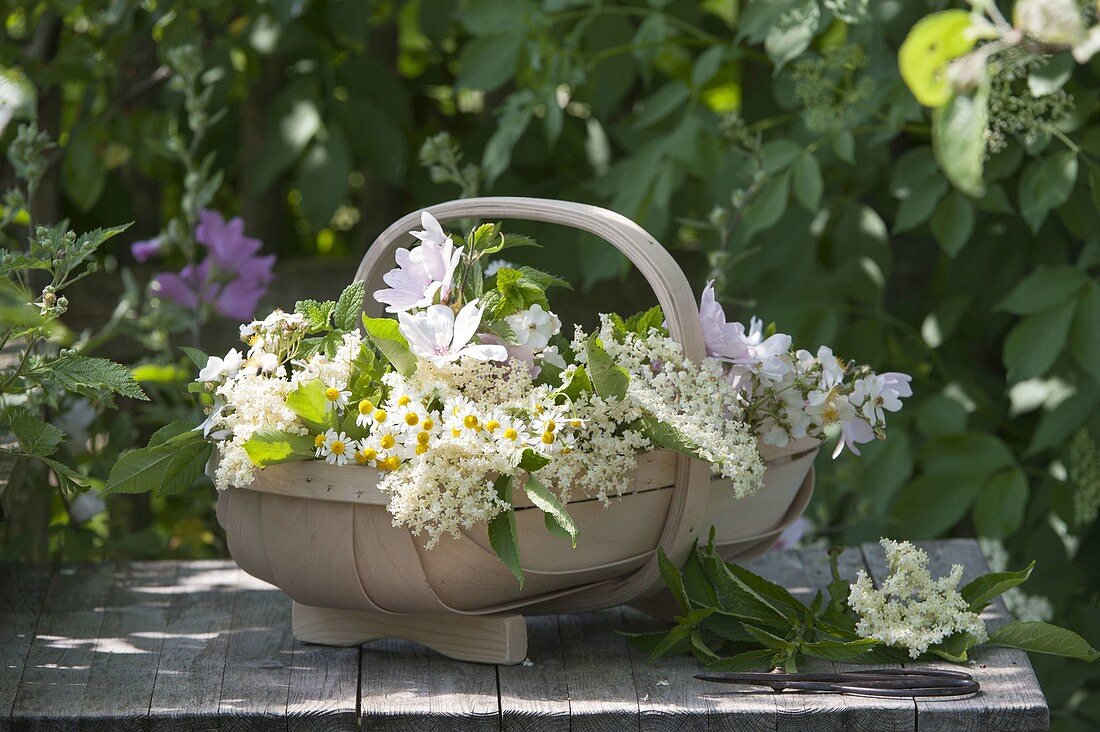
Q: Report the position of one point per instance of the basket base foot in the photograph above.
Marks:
(478, 638)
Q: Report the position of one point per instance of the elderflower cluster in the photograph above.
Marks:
(693, 399)
(911, 610)
(274, 340)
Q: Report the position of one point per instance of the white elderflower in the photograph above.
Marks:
(911, 610)
(336, 448)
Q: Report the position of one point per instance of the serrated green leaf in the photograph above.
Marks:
(35, 436)
(532, 461)
(503, 537)
(195, 355)
(673, 580)
(318, 315)
(834, 650)
(1038, 637)
(345, 314)
(94, 377)
(545, 500)
(747, 661)
(168, 468)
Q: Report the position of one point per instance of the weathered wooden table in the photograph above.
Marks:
(201, 645)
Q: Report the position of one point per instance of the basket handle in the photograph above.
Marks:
(688, 501)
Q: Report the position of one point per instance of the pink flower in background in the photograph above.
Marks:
(233, 276)
(424, 273)
(145, 250)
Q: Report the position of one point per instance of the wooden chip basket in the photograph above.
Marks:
(323, 535)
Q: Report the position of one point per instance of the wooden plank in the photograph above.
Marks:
(324, 688)
(535, 695)
(598, 672)
(24, 590)
(668, 697)
(119, 689)
(404, 686)
(255, 688)
(861, 713)
(187, 690)
(1010, 699)
(52, 689)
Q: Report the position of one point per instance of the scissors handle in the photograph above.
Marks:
(871, 682)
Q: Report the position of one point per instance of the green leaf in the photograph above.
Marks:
(309, 403)
(999, 509)
(766, 208)
(94, 377)
(488, 61)
(270, 447)
(545, 500)
(1035, 343)
(83, 170)
(502, 530)
(808, 183)
(318, 315)
(1045, 185)
(792, 32)
(834, 650)
(1047, 286)
(346, 313)
(919, 185)
(967, 455)
(954, 648)
(747, 661)
(931, 44)
(1083, 337)
(35, 436)
(673, 580)
(953, 222)
(578, 384)
(532, 461)
(979, 592)
(195, 355)
(1051, 75)
(608, 378)
(1038, 637)
(663, 102)
(169, 468)
(386, 335)
(958, 140)
(930, 505)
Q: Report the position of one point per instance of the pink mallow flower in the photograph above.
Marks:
(425, 274)
(440, 336)
(232, 278)
(730, 342)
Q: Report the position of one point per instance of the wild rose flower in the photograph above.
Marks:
(440, 336)
(423, 275)
(533, 327)
(219, 369)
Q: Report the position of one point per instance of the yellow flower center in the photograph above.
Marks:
(411, 419)
(575, 423)
(456, 432)
(421, 449)
(389, 463)
(365, 407)
(548, 438)
(332, 393)
(369, 454)
(428, 423)
(386, 442)
(403, 400)
(423, 438)
(510, 434)
(492, 425)
(470, 421)
(361, 457)
(380, 415)
(551, 426)
(538, 409)
(318, 440)
(337, 447)
(251, 340)
(831, 413)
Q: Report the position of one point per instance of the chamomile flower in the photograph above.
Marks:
(462, 418)
(408, 414)
(336, 398)
(365, 418)
(511, 433)
(336, 448)
(365, 452)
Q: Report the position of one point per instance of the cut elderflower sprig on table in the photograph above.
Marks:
(473, 390)
(734, 620)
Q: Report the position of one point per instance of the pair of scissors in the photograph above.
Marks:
(893, 682)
